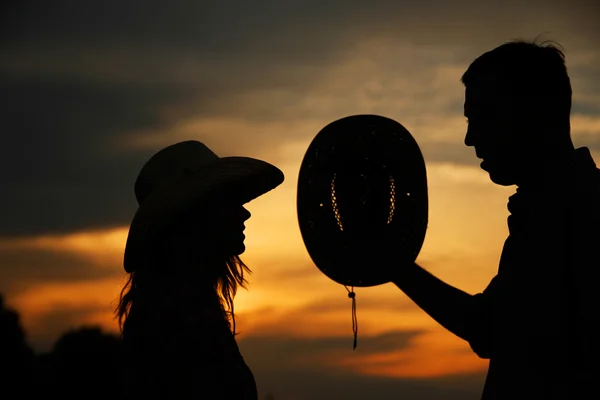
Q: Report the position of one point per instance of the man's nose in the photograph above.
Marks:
(469, 140)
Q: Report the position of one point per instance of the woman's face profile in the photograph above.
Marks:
(230, 228)
(219, 228)
(216, 230)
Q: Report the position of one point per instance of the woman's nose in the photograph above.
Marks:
(245, 214)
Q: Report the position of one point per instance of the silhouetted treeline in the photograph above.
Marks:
(82, 364)
(16, 357)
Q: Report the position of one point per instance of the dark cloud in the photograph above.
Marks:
(219, 26)
(19, 268)
(308, 385)
(300, 349)
(58, 161)
(305, 368)
(78, 79)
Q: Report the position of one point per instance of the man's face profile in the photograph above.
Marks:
(493, 130)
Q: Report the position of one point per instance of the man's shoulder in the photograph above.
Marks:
(585, 194)
(586, 179)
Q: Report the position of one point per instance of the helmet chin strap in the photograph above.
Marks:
(352, 295)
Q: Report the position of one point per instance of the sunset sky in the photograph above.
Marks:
(90, 90)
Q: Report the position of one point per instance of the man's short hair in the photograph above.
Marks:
(535, 76)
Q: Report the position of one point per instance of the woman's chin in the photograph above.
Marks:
(240, 249)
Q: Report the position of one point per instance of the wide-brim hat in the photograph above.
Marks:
(362, 199)
(186, 175)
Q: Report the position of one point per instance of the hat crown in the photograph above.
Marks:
(362, 196)
(171, 163)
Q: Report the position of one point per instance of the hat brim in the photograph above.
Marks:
(238, 179)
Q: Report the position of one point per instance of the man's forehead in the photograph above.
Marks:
(486, 84)
(487, 90)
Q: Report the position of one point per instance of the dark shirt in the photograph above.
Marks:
(537, 319)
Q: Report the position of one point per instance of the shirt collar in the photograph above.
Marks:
(576, 170)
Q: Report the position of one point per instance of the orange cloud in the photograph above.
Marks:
(288, 295)
(433, 354)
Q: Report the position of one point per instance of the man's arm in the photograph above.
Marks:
(449, 306)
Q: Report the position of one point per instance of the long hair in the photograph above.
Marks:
(139, 288)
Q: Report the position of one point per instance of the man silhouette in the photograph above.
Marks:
(536, 319)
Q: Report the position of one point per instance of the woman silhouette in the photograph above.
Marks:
(182, 256)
